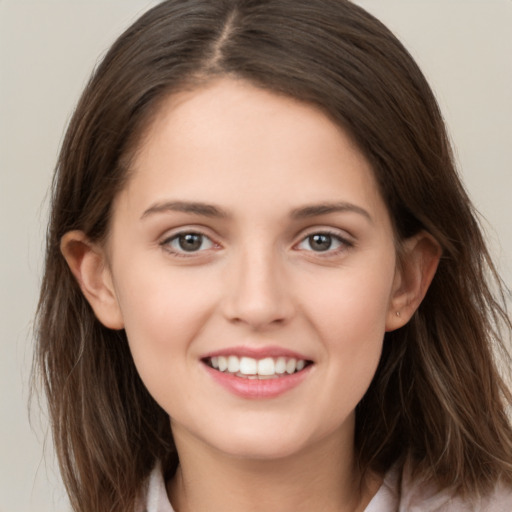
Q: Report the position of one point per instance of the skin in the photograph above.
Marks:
(256, 280)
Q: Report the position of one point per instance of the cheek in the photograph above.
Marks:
(353, 301)
(163, 312)
(351, 320)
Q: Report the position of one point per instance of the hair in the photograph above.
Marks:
(437, 399)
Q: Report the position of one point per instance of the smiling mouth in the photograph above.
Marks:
(261, 369)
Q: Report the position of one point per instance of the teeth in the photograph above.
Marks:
(248, 366)
(251, 368)
(266, 366)
(223, 364)
(291, 365)
(233, 364)
(280, 365)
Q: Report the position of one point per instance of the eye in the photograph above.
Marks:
(188, 243)
(323, 242)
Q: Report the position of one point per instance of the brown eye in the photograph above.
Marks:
(188, 243)
(330, 243)
(320, 242)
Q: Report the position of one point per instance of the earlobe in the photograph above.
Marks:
(418, 264)
(87, 262)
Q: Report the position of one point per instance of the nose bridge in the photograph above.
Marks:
(258, 293)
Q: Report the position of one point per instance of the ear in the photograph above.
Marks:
(417, 266)
(89, 265)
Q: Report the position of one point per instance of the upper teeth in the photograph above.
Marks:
(268, 366)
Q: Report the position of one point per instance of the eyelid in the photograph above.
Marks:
(346, 240)
(174, 234)
(184, 229)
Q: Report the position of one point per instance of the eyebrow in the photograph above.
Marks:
(203, 209)
(316, 210)
(209, 210)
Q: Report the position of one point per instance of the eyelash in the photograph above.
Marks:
(344, 243)
(182, 253)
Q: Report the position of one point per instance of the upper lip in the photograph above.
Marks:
(257, 352)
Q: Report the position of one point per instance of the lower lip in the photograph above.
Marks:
(258, 388)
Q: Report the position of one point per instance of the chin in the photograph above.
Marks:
(279, 447)
(262, 441)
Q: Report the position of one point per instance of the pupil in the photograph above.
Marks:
(320, 242)
(190, 242)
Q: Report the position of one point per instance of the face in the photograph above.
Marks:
(253, 264)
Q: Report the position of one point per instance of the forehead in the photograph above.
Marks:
(230, 139)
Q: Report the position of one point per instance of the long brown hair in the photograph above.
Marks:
(437, 398)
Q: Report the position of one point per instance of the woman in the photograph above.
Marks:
(265, 285)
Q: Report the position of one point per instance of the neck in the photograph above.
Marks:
(323, 477)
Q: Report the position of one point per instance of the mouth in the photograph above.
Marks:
(257, 369)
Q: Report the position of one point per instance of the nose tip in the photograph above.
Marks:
(259, 296)
(259, 315)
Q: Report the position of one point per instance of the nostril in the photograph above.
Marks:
(255, 294)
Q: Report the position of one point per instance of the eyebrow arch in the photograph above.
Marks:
(196, 208)
(316, 210)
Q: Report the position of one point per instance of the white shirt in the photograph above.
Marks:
(395, 495)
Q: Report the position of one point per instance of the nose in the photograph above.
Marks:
(258, 294)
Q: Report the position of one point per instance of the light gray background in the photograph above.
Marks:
(47, 50)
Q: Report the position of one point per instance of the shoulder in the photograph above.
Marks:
(401, 492)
